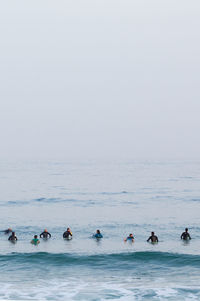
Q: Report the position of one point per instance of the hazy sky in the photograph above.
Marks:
(99, 78)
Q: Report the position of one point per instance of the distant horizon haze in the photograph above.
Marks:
(99, 79)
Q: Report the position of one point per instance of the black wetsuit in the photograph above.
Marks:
(12, 238)
(45, 235)
(185, 236)
(66, 234)
(153, 238)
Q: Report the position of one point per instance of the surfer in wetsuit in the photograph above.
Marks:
(129, 238)
(45, 234)
(35, 241)
(153, 238)
(12, 237)
(67, 234)
(98, 234)
(185, 235)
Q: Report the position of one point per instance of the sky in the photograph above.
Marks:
(90, 79)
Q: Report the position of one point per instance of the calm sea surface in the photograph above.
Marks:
(116, 197)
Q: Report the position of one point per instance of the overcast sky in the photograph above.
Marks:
(99, 79)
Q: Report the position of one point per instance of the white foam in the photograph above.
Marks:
(114, 288)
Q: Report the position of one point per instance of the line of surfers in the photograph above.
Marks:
(68, 235)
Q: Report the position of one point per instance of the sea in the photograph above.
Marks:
(117, 197)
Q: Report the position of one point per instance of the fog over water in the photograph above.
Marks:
(99, 129)
(86, 79)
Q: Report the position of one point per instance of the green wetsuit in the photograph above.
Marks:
(35, 241)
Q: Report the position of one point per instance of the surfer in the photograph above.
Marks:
(12, 237)
(98, 234)
(35, 241)
(153, 238)
(185, 235)
(129, 238)
(45, 234)
(67, 234)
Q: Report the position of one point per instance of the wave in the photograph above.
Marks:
(43, 200)
(115, 193)
(46, 201)
(194, 200)
(104, 260)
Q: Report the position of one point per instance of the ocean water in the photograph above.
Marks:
(116, 197)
